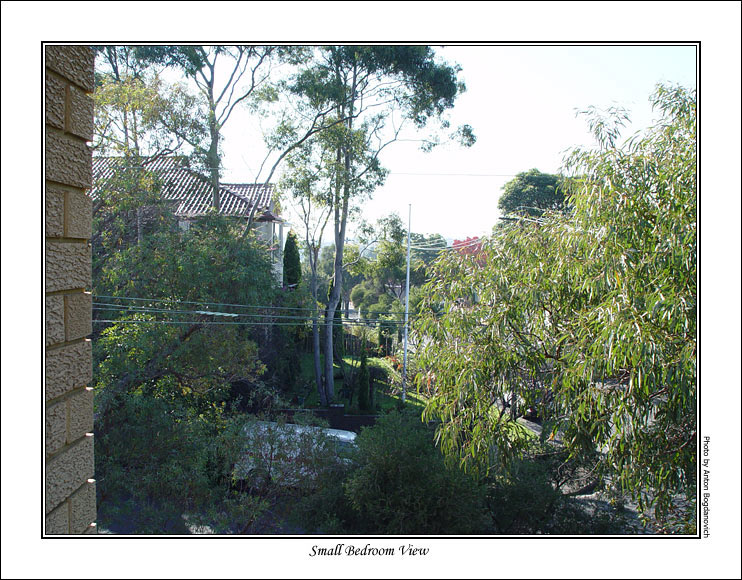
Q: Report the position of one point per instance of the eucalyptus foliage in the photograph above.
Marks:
(362, 97)
(136, 112)
(587, 319)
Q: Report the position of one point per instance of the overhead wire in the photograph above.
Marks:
(253, 306)
(274, 319)
(455, 174)
(298, 319)
(465, 244)
(336, 322)
(428, 247)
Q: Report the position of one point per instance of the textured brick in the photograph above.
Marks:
(68, 171)
(54, 92)
(68, 367)
(80, 114)
(68, 160)
(54, 212)
(56, 427)
(78, 315)
(68, 266)
(68, 471)
(82, 508)
(79, 215)
(76, 63)
(58, 522)
(80, 417)
(54, 319)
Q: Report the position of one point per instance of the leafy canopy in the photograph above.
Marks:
(589, 318)
(164, 374)
(532, 192)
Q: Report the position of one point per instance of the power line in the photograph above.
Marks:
(198, 167)
(429, 247)
(455, 174)
(102, 306)
(468, 244)
(254, 306)
(340, 322)
(259, 307)
(143, 310)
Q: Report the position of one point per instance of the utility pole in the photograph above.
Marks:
(406, 308)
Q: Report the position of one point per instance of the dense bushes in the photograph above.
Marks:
(525, 500)
(166, 373)
(395, 483)
(402, 486)
(398, 484)
(162, 461)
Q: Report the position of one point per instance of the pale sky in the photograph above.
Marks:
(521, 101)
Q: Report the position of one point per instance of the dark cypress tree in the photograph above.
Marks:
(291, 261)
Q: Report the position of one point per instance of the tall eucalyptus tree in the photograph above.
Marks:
(372, 93)
(246, 69)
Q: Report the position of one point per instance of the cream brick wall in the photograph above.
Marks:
(68, 159)
(54, 219)
(69, 467)
(68, 367)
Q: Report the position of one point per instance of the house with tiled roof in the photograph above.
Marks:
(189, 195)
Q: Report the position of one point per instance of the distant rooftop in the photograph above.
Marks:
(189, 191)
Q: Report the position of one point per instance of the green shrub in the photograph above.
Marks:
(157, 462)
(525, 501)
(328, 509)
(401, 484)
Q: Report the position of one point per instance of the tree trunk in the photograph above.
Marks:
(316, 342)
(343, 188)
(212, 160)
(329, 351)
(334, 298)
(318, 363)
